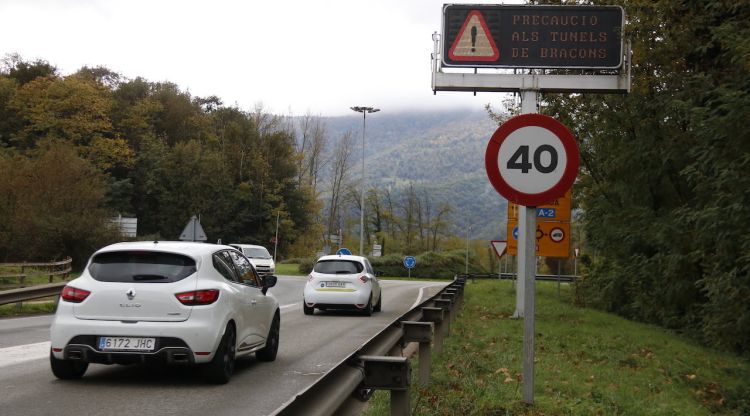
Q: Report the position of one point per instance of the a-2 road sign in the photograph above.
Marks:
(557, 210)
(532, 159)
(552, 239)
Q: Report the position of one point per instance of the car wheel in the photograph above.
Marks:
(379, 305)
(67, 369)
(308, 310)
(368, 309)
(268, 353)
(220, 369)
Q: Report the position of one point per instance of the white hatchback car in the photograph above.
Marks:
(342, 282)
(181, 303)
(259, 257)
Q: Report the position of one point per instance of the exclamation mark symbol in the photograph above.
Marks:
(473, 38)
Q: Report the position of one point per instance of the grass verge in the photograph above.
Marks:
(586, 363)
(290, 269)
(27, 308)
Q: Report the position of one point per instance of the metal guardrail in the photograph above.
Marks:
(49, 269)
(30, 293)
(374, 365)
(567, 278)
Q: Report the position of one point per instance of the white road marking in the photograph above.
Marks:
(23, 353)
(30, 352)
(421, 294)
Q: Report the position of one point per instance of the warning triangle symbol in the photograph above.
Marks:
(474, 41)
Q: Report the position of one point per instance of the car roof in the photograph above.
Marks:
(185, 247)
(342, 257)
(247, 246)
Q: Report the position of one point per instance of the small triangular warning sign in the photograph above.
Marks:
(500, 247)
(193, 231)
(474, 41)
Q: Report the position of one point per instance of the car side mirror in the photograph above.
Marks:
(269, 281)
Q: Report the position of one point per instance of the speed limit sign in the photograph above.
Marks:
(532, 159)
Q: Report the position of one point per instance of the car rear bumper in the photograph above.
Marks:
(188, 342)
(336, 299)
(168, 350)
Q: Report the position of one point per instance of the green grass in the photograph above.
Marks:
(27, 308)
(290, 269)
(586, 363)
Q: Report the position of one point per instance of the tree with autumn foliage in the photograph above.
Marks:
(664, 182)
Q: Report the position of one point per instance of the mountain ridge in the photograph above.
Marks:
(440, 152)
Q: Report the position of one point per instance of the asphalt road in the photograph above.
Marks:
(310, 346)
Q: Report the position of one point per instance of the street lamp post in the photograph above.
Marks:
(468, 231)
(364, 111)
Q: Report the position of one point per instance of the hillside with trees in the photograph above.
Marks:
(78, 149)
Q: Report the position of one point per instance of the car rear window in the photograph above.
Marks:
(256, 253)
(338, 267)
(141, 267)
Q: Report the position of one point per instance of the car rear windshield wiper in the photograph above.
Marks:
(148, 277)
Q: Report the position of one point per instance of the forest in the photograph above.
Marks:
(664, 186)
(78, 150)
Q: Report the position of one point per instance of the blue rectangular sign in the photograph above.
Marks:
(545, 212)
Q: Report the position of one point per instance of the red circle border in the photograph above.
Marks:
(554, 192)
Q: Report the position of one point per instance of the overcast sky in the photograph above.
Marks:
(294, 55)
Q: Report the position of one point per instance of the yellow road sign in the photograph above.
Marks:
(558, 210)
(552, 238)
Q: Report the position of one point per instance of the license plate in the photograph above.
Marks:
(335, 284)
(126, 344)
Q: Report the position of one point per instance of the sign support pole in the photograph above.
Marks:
(525, 291)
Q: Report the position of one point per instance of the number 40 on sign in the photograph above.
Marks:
(532, 159)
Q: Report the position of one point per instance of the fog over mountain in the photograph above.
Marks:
(440, 152)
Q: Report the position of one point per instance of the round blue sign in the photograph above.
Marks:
(410, 262)
(515, 233)
(344, 251)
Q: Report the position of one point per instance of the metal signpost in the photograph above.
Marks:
(531, 159)
(409, 263)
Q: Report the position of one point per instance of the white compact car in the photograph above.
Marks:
(182, 303)
(342, 282)
(259, 257)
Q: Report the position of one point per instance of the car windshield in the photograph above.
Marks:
(141, 267)
(256, 253)
(338, 267)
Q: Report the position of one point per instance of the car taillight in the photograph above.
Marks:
(75, 295)
(364, 278)
(309, 278)
(198, 297)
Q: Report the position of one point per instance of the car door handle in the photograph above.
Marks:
(253, 302)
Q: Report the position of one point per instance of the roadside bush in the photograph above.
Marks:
(429, 265)
(306, 265)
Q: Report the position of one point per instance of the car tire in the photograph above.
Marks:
(379, 305)
(220, 369)
(268, 353)
(308, 310)
(67, 369)
(368, 309)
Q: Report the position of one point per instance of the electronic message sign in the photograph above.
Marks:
(499, 36)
